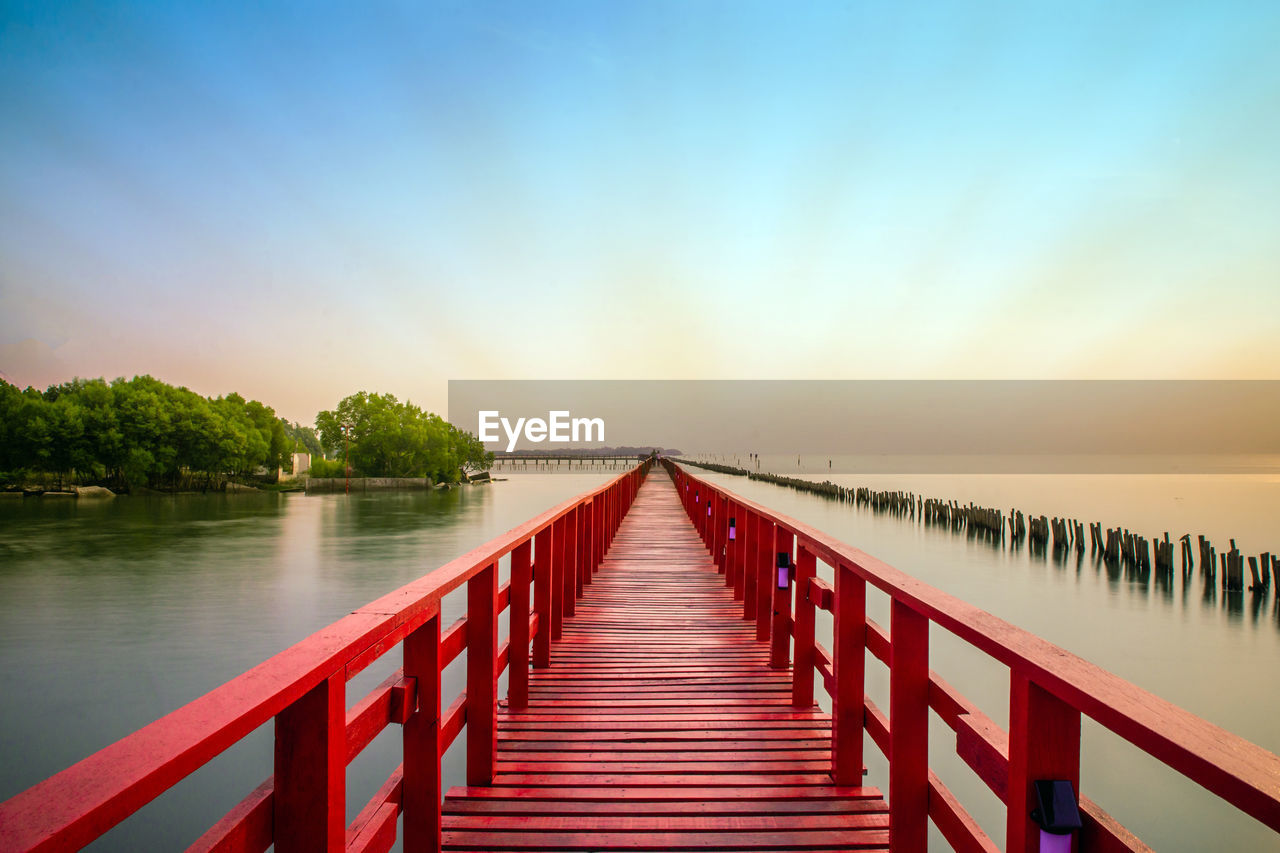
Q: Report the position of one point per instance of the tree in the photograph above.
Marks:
(382, 437)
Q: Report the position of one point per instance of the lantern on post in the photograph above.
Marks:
(708, 509)
(733, 529)
(784, 569)
(1057, 814)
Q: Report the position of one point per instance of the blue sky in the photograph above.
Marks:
(298, 201)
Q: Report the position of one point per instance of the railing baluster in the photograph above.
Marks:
(1044, 743)
(749, 573)
(557, 578)
(518, 629)
(780, 644)
(482, 651)
(908, 729)
(571, 576)
(802, 674)
(588, 541)
(421, 738)
(722, 533)
(850, 664)
(764, 579)
(309, 802)
(740, 553)
(543, 600)
(729, 547)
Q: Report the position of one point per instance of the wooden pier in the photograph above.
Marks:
(660, 724)
(662, 661)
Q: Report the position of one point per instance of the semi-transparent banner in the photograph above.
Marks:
(892, 426)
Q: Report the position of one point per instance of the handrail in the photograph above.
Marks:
(1049, 687)
(303, 689)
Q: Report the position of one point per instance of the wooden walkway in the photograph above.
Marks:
(659, 725)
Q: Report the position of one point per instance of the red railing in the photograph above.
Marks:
(1050, 688)
(302, 807)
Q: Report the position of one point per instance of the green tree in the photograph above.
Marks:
(382, 437)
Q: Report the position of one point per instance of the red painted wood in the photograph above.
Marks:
(1226, 764)
(780, 627)
(452, 721)
(749, 573)
(764, 579)
(909, 729)
(482, 700)
(1044, 743)
(849, 664)
(805, 622)
(558, 551)
(684, 704)
(660, 718)
(309, 800)
(245, 827)
(956, 825)
(543, 600)
(518, 628)
(421, 737)
(571, 577)
(403, 700)
(370, 716)
(378, 834)
(77, 805)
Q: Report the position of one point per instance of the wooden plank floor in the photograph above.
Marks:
(659, 725)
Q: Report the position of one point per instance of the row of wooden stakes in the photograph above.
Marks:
(1114, 546)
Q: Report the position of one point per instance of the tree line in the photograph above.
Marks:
(144, 432)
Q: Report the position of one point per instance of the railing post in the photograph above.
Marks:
(908, 729)
(1044, 743)
(588, 564)
(765, 581)
(310, 797)
(421, 737)
(571, 575)
(739, 553)
(557, 578)
(518, 629)
(780, 642)
(604, 525)
(482, 653)
(749, 573)
(543, 600)
(802, 673)
(850, 664)
(726, 565)
(720, 528)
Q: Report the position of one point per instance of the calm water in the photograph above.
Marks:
(1218, 657)
(115, 612)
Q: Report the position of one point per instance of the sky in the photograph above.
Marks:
(297, 201)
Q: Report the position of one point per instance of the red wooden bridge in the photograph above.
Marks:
(661, 678)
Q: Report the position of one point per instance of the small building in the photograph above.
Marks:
(301, 464)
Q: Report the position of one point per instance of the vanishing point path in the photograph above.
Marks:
(660, 725)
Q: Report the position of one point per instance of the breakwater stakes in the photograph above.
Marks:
(1117, 548)
(662, 665)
